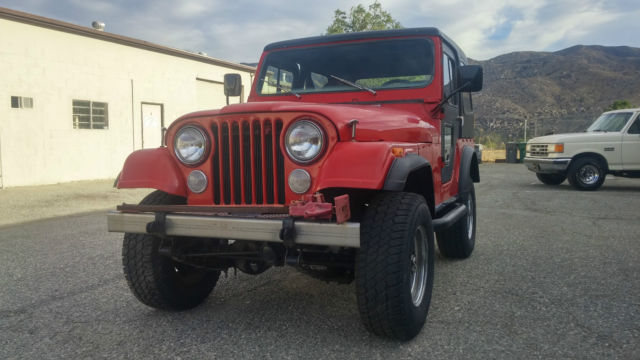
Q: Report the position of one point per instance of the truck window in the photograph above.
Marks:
(610, 122)
(276, 81)
(635, 127)
(448, 84)
(383, 64)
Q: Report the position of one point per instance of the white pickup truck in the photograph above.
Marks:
(611, 145)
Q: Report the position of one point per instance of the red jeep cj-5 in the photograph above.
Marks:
(352, 151)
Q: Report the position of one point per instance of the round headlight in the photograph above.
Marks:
(304, 141)
(190, 145)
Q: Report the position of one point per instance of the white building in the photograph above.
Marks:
(75, 101)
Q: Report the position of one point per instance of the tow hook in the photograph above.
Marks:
(314, 207)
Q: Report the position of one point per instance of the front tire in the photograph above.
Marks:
(394, 265)
(586, 174)
(551, 179)
(458, 241)
(156, 280)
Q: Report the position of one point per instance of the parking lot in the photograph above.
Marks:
(555, 274)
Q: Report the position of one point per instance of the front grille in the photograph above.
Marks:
(248, 166)
(539, 150)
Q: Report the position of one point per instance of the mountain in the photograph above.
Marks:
(559, 91)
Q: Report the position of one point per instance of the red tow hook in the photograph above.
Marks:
(315, 207)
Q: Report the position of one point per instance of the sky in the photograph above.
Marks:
(238, 30)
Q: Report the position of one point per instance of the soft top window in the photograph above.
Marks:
(385, 64)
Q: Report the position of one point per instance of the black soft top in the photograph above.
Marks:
(429, 31)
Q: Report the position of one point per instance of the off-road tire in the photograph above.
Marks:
(586, 174)
(157, 280)
(388, 262)
(551, 179)
(458, 241)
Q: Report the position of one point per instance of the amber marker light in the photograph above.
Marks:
(397, 151)
(557, 148)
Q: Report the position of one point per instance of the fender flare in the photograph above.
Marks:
(469, 171)
(412, 173)
(152, 168)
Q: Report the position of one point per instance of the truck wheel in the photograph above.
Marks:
(551, 179)
(458, 241)
(586, 174)
(157, 280)
(394, 265)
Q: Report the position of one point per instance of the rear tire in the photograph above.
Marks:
(586, 174)
(551, 179)
(394, 265)
(156, 280)
(458, 241)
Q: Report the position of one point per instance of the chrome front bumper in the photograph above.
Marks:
(546, 165)
(307, 233)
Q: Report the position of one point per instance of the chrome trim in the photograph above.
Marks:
(419, 266)
(588, 174)
(288, 133)
(547, 165)
(206, 140)
(307, 233)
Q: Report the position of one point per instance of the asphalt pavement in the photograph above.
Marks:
(554, 275)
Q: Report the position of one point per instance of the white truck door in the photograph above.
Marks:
(631, 146)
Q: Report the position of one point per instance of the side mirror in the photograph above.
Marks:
(471, 75)
(232, 85)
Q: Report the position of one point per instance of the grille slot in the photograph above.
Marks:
(248, 166)
(539, 150)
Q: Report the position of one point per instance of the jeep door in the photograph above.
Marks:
(631, 146)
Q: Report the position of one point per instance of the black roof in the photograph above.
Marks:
(429, 31)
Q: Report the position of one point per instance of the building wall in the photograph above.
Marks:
(40, 145)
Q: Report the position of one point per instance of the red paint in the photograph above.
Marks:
(343, 210)
(152, 168)
(393, 118)
(355, 165)
(311, 207)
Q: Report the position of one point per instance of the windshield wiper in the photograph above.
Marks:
(282, 88)
(357, 86)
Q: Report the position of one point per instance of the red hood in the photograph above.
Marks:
(375, 122)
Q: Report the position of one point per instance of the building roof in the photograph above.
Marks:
(57, 25)
(324, 39)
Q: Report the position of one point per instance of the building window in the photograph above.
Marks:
(90, 115)
(21, 102)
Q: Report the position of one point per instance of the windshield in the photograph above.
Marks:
(610, 122)
(370, 65)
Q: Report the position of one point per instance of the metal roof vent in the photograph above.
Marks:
(98, 25)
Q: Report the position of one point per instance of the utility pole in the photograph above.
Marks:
(525, 129)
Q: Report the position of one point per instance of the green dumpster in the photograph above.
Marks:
(512, 153)
(522, 148)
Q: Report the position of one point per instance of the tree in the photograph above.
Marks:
(361, 19)
(619, 104)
